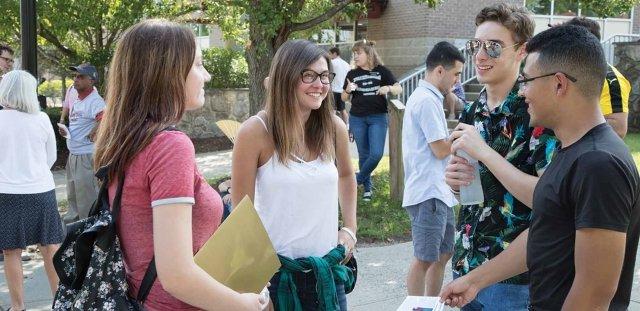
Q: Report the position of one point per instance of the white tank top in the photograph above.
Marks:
(298, 205)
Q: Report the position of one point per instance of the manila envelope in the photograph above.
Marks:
(240, 254)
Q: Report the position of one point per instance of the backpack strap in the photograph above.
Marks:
(151, 274)
(147, 281)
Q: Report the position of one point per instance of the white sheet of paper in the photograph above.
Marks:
(421, 303)
(65, 129)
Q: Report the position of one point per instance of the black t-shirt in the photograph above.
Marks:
(593, 183)
(364, 100)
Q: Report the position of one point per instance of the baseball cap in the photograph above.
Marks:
(86, 69)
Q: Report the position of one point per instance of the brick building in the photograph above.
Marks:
(405, 30)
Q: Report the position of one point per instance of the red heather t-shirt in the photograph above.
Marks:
(163, 173)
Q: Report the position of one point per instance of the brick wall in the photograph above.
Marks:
(407, 30)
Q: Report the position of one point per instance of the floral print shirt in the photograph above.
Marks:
(485, 230)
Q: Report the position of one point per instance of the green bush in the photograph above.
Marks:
(54, 115)
(50, 88)
(227, 67)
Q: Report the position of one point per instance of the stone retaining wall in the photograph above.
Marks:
(220, 104)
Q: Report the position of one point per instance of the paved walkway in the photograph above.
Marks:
(381, 279)
(380, 286)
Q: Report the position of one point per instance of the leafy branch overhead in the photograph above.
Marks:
(74, 31)
(608, 8)
(261, 26)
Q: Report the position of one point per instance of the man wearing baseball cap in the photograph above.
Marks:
(84, 118)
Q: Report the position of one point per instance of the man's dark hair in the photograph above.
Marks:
(335, 50)
(443, 54)
(515, 18)
(4, 47)
(587, 23)
(574, 51)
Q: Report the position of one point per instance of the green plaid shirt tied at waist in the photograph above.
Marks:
(328, 272)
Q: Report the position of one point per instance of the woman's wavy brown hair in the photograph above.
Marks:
(367, 46)
(145, 90)
(283, 114)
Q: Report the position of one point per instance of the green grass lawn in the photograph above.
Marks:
(633, 141)
(382, 219)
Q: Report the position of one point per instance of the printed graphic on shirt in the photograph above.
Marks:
(368, 84)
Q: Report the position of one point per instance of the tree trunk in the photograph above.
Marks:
(258, 60)
(64, 87)
(259, 54)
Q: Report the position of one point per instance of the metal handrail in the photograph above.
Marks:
(608, 45)
(409, 81)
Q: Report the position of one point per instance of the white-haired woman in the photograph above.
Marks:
(28, 208)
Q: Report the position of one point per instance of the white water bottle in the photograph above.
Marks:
(471, 194)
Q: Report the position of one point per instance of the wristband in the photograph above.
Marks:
(350, 233)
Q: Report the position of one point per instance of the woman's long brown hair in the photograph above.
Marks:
(283, 115)
(145, 90)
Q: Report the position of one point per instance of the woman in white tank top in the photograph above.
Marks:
(293, 161)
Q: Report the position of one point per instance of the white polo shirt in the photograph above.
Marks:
(340, 68)
(424, 122)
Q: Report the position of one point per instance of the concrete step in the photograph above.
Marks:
(473, 87)
(471, 96)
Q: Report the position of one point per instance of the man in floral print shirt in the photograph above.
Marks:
(495, 130)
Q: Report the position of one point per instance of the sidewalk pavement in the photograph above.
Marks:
(381, 279)
(380, 286)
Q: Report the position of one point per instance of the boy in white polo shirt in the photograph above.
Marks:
(425, 149)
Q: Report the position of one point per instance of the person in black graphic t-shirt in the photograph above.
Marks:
(581, 247)
(366, 88)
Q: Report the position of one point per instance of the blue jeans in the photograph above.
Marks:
(370, 133)
(306, 286)
(499, 297)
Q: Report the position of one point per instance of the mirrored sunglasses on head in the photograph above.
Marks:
(493, 48)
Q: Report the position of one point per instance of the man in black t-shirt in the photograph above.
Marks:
(581, 246)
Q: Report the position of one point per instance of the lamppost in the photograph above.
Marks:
(28, 19)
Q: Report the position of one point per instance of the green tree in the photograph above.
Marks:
(608, 8)
(75, 31)
(262, 26)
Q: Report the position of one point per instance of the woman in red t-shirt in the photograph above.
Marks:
(168, 209)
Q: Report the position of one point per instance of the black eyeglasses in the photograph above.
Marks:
(522, 81)
(309, 76)
(7, 59)
(493, 48)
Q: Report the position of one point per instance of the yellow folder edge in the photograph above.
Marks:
(240, 254)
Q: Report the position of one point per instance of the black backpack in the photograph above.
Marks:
(89, 262)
